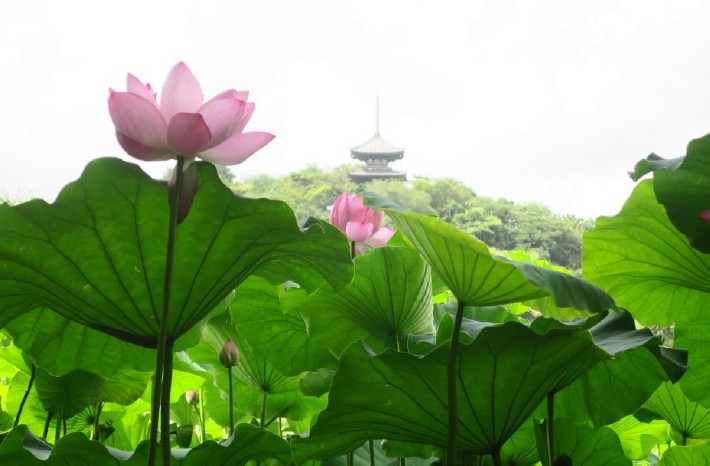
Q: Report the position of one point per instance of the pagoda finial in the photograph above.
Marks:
(377, 113)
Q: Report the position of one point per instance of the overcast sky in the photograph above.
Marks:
(534, 101)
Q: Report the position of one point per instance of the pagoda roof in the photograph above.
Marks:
(377, 145)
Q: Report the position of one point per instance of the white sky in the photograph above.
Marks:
(547, 101)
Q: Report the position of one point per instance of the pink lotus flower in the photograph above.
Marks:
(361, 224)
(704, 216)
(182, 124)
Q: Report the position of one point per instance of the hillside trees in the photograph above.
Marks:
(500, 223)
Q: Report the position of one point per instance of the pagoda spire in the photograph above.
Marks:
(377, 155)
(377, 113)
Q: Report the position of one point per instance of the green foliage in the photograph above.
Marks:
(336, 351)
(499, 223)
(96, 255)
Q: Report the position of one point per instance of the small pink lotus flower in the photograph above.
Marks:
(182, 124)
(229, 354)
(361, 224)
(192, 397)
(704, 216)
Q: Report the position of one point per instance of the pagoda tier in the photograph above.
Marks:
(377, 155)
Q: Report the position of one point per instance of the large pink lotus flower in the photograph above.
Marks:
(182, 124)
(361, 224)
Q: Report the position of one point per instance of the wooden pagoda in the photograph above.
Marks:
(377, 155)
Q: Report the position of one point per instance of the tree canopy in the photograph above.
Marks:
(500, 223)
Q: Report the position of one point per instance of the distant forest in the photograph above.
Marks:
(500, 223)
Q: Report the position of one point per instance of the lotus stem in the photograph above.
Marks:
(160, 358)
(165, 404)
(684, 439)
(550, 427)
(95, 432)
(45, 432)
(496, 457)
(24, 397)
(202, 417)
(453, 414)
(402, 462)
(265, 394)
(57, 430)
(372, 452)
(231, 402)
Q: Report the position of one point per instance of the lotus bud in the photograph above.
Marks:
(192, 397)
(229, 354)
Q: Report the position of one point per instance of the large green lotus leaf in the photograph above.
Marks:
(361, 457)
(388, 299)
(646, 264)
(583, 445)
(695, 455)
(639, 438)
(285, 338)
(694, 336)
(683, 187)
(503, 375)
(60, 345)
(478, 278)
(687, 418)
(652, 163)
(97, 254)
(123, 388)
(545, 305)
(520, 449)
(251, 377)
(65, 396)
(612, 389)
(248, 443)
(22, 448)
(618, 386)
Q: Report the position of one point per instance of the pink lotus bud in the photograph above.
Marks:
(361, 224)
(182, 123)
(229, 354)
(192, 397)
(704, 216)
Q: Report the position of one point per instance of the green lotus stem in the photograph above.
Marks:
(372, 452)
(496, 458)
(57, 429)
(24, 397)
(350, 458)
(45, 432)
(352, 249)
(165, 403)
(64, 427)
(95, 432)
(453, 417)
(263, 408)
(550, 428)
(684, 439)
(402, 462)
(202, 417)
(231, 402)
(158, 382)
